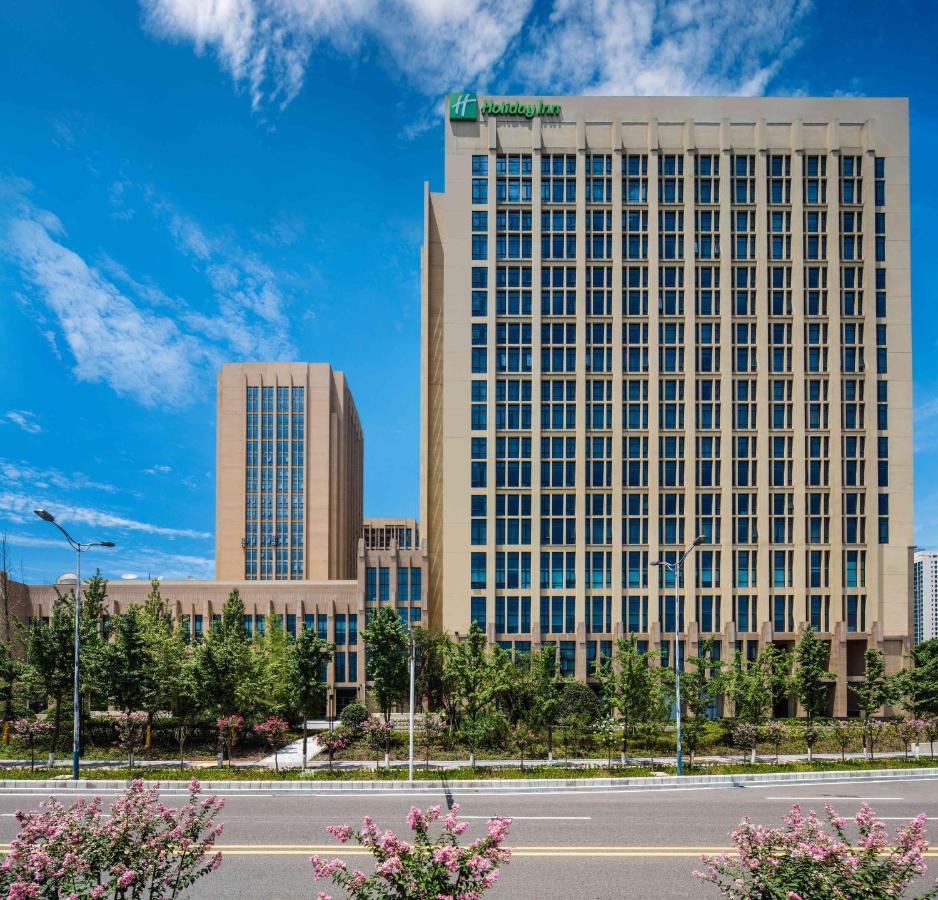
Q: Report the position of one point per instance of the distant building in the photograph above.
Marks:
(926, 595)
(289, 474)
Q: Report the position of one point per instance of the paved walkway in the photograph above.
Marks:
(291, 756)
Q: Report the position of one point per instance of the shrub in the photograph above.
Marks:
(130, 728)
(803, 860)
(272, 730)
(578, 701)
(143, 850)
(29, 731)
(427, 868)
(332, 742)
(229, 727)
(354, 718)
(746, 736)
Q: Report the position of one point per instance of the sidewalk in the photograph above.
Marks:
(291, 756)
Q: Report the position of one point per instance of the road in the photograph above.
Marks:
(565, 845)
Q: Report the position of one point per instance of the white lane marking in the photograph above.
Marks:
(833, 797)
(536, 818)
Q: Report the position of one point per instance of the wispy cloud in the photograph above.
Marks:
(575, 46)
(25, 420)
(158, 470)
(266, 45)
(655, 48)
(160, 349)
(22, 473)
(18, 507)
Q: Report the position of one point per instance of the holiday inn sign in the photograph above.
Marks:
(465, 106)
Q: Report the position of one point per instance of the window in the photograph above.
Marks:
(384, 583)
(478, 572)
(477, 611)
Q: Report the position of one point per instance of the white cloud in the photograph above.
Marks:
(25, 420)
(128, 333)
(18, 507)
(578, 46)
(625, 47)
(266, 44)
(21, 473)
(137, 352)
(158, 470)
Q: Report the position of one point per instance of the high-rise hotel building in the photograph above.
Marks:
(289, 488)
(646, 319)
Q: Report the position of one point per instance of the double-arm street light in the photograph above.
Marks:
(675, 568)
(79, 548)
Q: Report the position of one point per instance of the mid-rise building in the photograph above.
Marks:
(647, 319)
(926, 595)
(289, 474)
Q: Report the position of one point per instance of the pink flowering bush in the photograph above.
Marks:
(29, 731)
(145, 849)
(272, 730)
(425, 869)
(908, 731)
(803, 861)
(130, 727)
(229, 727)
(378, 733)
(332, 742)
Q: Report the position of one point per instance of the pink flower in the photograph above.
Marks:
(341, 833)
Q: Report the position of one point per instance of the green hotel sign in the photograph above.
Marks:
(465, 106)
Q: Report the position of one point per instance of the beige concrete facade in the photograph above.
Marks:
(289, 473)
(739, 282)
(392, 564)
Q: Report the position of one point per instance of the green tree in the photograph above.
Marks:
(511, 685)
(274, 671)
(876, 689)
(631, 685)
(50, 649)
(94, 659)
(546, 689)
(128, 662)
(467, 671)
(387, 644)
(919, 681)
(225, 663)
(430, 684)
(702, 682)
(811, 678)
(755, 688)
(581, 710)
(311, 654)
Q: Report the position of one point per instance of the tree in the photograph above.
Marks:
(311, 654)
(775, 734)
(581, 710)
(94, 660)
(919, 681)
(630, 684)
(50, 649)
(756, 686)
(225, 663)
(273, 665)
(874, 691)
(273, 730)
(467, 671)
(846, 733)
(430, 684)
(431, 728)
(128, 662)
(387, 644)
(811, 676)
(546, 687)
(701, 684)
(510, 684)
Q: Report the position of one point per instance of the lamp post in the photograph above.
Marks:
(412, 653)
(676, 568)
(79, 548)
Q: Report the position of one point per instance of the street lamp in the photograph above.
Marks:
(79, 548)
(675, 568)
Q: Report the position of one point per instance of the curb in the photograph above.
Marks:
(538, 785)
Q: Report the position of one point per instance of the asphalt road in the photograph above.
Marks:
(565, 845)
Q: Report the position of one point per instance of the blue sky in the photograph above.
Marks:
(173, 194)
